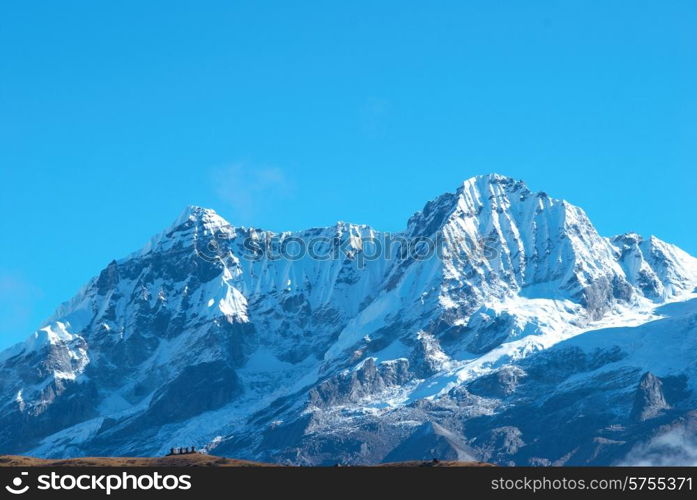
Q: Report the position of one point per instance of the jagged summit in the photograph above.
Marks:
(194, 221)
(492, 182)
(658, 268)
(197, 214)
(488, 197)
(205, 219)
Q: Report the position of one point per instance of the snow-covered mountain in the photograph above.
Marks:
(498, 326)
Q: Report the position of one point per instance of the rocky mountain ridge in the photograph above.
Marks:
(499, 326)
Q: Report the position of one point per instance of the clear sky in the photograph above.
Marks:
(116, 115)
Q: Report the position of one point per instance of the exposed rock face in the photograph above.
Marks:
(649, 401)
(520, 338)
(501, 383)
(430, 441)
(428, 357)
(365, 382)
(501, 443)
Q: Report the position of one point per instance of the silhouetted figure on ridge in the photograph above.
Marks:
(182, 451)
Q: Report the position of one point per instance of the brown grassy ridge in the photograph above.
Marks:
(191, 460)
(437, 463)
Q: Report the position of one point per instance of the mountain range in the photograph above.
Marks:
(499, 326)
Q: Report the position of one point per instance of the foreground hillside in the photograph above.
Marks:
(193, 460)
(499, 326)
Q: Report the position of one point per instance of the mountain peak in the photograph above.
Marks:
(478, 194)
(202, 215)
(475, 191)
(492, 178)
(191, 220)
(496, 185)
(199, 218)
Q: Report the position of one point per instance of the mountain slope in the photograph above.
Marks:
(349, 344)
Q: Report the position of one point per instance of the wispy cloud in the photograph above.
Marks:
(676, 447)
(251, 189)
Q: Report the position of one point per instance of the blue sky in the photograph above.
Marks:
(284, 115)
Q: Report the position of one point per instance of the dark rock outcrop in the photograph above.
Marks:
(649, 401)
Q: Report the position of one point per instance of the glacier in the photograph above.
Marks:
(527, 338)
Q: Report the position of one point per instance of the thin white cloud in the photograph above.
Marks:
(675, 447)
(251, 190)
